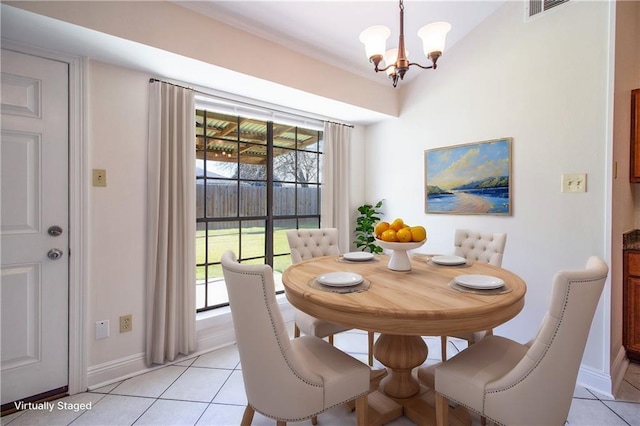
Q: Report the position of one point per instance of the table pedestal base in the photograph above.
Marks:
(420, 409)
(400, 393)
(400, 354)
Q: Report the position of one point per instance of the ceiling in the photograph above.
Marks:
(329, 30)
(325, 30)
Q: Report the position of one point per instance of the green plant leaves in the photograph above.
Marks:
(365, 225)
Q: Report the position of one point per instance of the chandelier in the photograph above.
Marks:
(396, 62)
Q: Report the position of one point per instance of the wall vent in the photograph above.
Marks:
(536, 7)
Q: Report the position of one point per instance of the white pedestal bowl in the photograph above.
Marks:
(399, 258)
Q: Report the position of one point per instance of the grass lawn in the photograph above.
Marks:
(252, 242)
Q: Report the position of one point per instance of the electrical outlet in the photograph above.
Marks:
(126, 323)
(574, 182)
(102, 329)
(99, 177)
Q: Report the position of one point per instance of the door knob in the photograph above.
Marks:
(54, 254)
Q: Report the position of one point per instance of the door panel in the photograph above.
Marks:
(21, 285)
(21, 153)
(34, 197)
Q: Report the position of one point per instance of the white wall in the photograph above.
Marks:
(118, 105)
(543, 83)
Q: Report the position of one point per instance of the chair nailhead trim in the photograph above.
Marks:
(275, 332)
(555, 333)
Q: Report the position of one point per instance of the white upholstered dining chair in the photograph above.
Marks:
(477, 246)
(286, 380)
(307, 244)
(532, 384)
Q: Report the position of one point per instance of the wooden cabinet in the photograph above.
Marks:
(631, 305)
(634, 170)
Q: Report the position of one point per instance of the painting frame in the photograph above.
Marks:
(469, 179)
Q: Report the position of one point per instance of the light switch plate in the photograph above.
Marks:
(99, 177)
(574, 182)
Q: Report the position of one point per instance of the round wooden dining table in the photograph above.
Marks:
(403, 307)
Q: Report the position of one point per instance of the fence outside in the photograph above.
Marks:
(222, 202)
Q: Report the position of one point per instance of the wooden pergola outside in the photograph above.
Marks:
(226, 136)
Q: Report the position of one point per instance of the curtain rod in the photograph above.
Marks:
(151, 80)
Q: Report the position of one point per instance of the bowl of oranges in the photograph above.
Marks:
(399, 237)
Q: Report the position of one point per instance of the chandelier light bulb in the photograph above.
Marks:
(375, 40)
(433, 37)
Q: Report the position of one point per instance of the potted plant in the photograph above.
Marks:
(365, 224)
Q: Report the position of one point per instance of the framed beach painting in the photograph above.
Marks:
(473, 178)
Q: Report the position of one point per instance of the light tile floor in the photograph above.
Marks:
(208, 390)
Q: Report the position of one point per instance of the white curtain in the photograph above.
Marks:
(171, 223)
(335, 188)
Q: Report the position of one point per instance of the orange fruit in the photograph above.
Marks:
(397, 224)
(404, 235)
(418, 233)
(380, 228)
(389, 235)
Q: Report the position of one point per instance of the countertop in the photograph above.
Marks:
(631, 240)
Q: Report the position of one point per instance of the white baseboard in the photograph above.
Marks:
(212, 332)
(595, 380)
(599, 381)
(618, 369)
(116, 370)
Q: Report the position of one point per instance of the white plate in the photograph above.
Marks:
(449, 260)
(339, 279)
(482, 282)
(358, 256)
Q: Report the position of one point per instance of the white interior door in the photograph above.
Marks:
(34, 198)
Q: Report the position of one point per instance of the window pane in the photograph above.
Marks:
(200, 287)
(284, 202)
(253, 262)
(222, 126)
(253, 162)
(201, 244)
(200, 198)
(284, 165)
(280, 263)
(222, 236)
(199, 122)
(200, 147)
(307, 167)
(280, 242)
(216, 288)
(253, 196)
(219, 164)
(253, 239)
(309, 223)
(254, 131)
(308, 139)
(283, 225)
(307, 200)
(221, 198)
(215, 166)
(284, 135)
